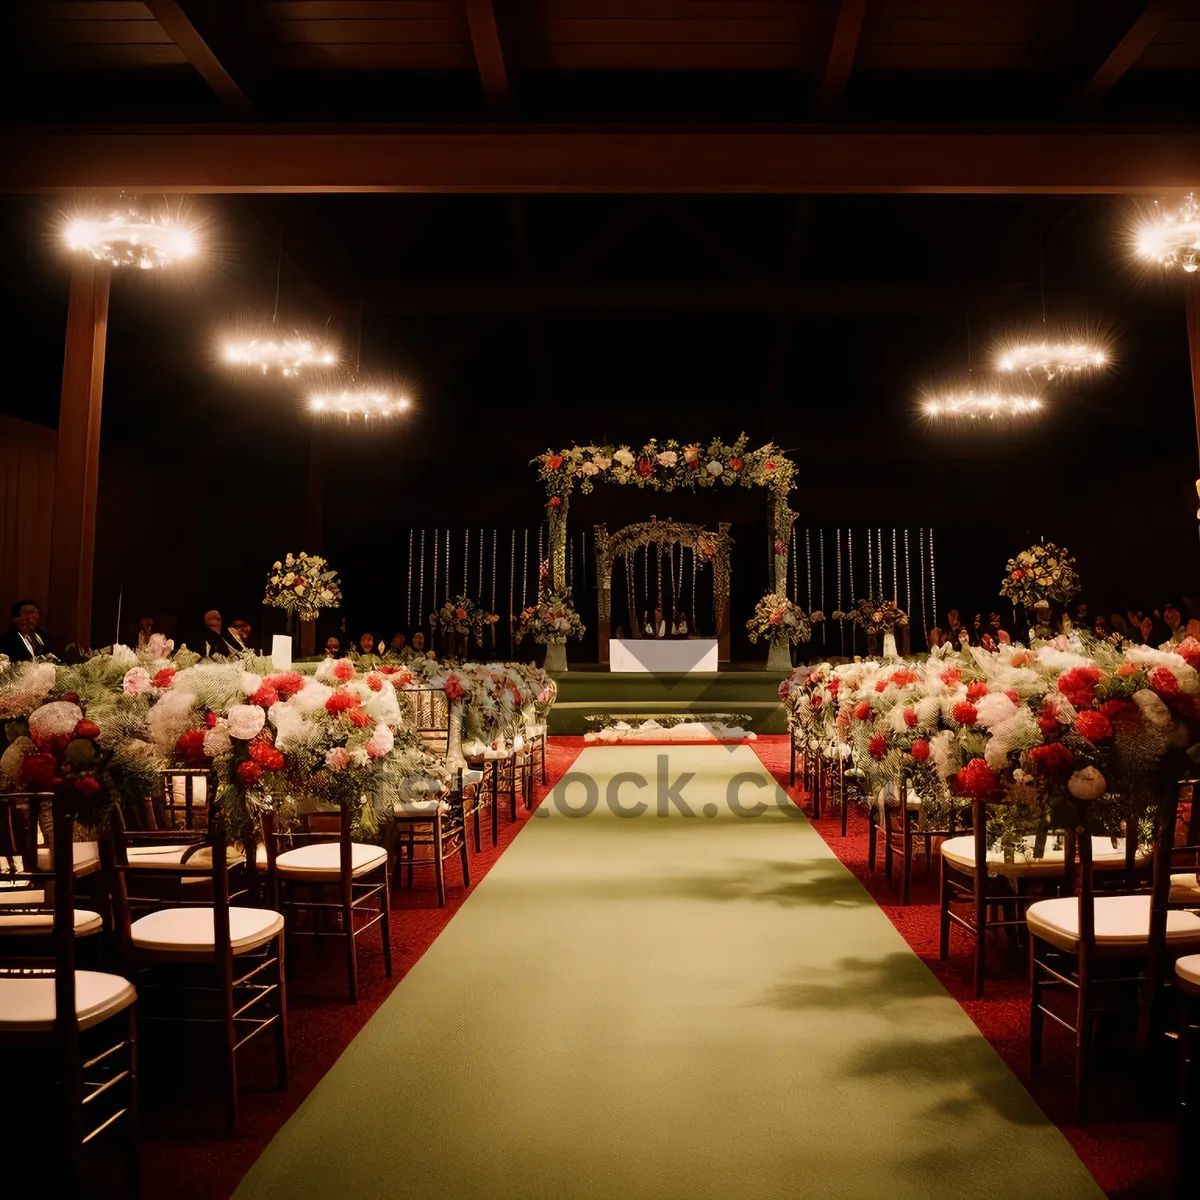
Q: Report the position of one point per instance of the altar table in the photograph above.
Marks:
(680, 656)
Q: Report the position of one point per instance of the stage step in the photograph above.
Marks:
(582, 694)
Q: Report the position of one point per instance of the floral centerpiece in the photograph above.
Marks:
(1041, 575)
(462, 618)
(551, 621)
(302, 584)
(783, 623)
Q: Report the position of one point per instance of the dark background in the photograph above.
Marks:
(526, 323)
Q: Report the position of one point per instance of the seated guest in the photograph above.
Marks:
(954, 627)
(214, 639)
(681, 628)
(366, 643)
(239, 635)
(397, 644)
(934, 638)
(416, 647)
(22, 642)
(333, 647)
(658, 628)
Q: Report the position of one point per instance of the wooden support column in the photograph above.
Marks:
(1192, 308)
(77, 470)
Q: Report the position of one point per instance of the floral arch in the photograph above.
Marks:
(707, 546)
(664, 467)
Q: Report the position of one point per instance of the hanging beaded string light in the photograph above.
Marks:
(525, 571)
(466, 562)
(840, 606)
(1171, 237)
(128, 236)
(850, 564)
(895, 587)
(932, 576)
(446, 543)
(925, 622)
(512, 581)
(410, 573)
(821, 543)
(907, 577)
(433, 596)
(808, 563)
(421, 585)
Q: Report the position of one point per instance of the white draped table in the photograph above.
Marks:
(681, 656)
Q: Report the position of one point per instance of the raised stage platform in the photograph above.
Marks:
(583, 692)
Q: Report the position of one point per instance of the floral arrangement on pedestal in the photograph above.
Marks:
(1041, 575)
(875, 616)
(302, 584)
(777, 618)
(462, 618)
(551, 621)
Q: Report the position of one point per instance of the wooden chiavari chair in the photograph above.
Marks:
(437, 824)
(199, 962)
(1110, 952)
(65, 1032)
(1187, 979)
(340, 877)
(911, 809)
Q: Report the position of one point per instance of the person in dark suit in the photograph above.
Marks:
(22, 642)
(214, 639)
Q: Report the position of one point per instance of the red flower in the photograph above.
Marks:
(555, 502)
(375, 682)
(976, 691)
(769, 465)
(785, 690)
(737, 463)
(162, 679)
(554, 462)
(881, 685)
(265, 696)
(460, 614)
(920, 750)
(266, 755)
(950, 676)
(1127, 669)
(1017, 574)
(191, 744)
(1048, 723)
(454, 689)
(1189, 651)
(40, 770)
(340, 702)
(1113, 709)
(87, 785)
(1094, 726)
(87, 729)
(645, 468)
(815, 700)
(286, 684)
(780, 549)
(910, 717)
(343, 670)
(1164, 682)
(1012, 695)
(358, 718)
(877, 747)
(1079, 685)
(1050, 758)
(834, 685)
(965, 713)
(904, 676)
(249, 773)
(862, 711)
(976, 779)
(210, 720)
(693, 464)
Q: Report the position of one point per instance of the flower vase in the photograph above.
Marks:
(889, 644)
(1041, 619)
(556, 657)
(454, 752)
(779, 657)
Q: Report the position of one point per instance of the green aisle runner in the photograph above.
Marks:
(669, 1007)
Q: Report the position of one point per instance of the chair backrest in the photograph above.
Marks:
(186, 795)
(50, 892)
(308, 832)
(430, 711)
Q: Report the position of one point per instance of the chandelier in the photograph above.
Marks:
(1172, 239)
(985, 403)
(126, 238)
(360, 402)
(1050, 357)
(287, 355)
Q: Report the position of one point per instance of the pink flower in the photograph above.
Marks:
(338, 758)
(137, 680)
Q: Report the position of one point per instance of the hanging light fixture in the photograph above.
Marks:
(955, 402)
(1050, 353)
(1171, 237)
(128, 237)
(274, 351)
(366, 402)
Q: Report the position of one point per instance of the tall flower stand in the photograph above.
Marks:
(556, 658)
(889, 644)
(779, 657)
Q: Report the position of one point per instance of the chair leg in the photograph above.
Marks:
(351, 944)
(133, 1120)
(1037, 1019)
(844, 800)
(887, 845)
(792, 760)
(545, 777)
(385, 923)
(981, 911)
(872, 840)
(411, 855)
(466, 866)
(944, 918)
(1083, 1050)
(231, 1079)
(906, 868)
(475, 820)
(281, 1030)
(439, 863)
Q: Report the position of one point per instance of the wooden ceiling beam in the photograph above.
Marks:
(842, 50)
(489, 52)
(181, 29)
(1153, 16)
(1083, 160)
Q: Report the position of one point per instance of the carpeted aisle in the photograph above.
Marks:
(669, 1007)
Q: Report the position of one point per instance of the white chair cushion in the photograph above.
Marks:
(85, 854)
(163, 858)
(535, 731)
(14, 892)
(420, 808)
(1185, 888)
(959, 852)
(1187, 972)
(1122, 923)
(320, 862)
(43, 922)
(27, 1005)
(188, 932)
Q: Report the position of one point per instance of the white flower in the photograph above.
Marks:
(251, 682)
(600, 461)
(326, 595)
(668, 458)
(1087, 784)
(624, 457)
(123, 656)
(246, 721)
(994, 708)
(714, 468)
(278, 566)
(57, 717)
(1153, 710)
(217, 742)
(590, 468)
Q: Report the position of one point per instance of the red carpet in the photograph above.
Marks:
(1131, 1159)
(185, 1154)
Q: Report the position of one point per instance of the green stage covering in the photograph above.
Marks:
(669, 1007)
